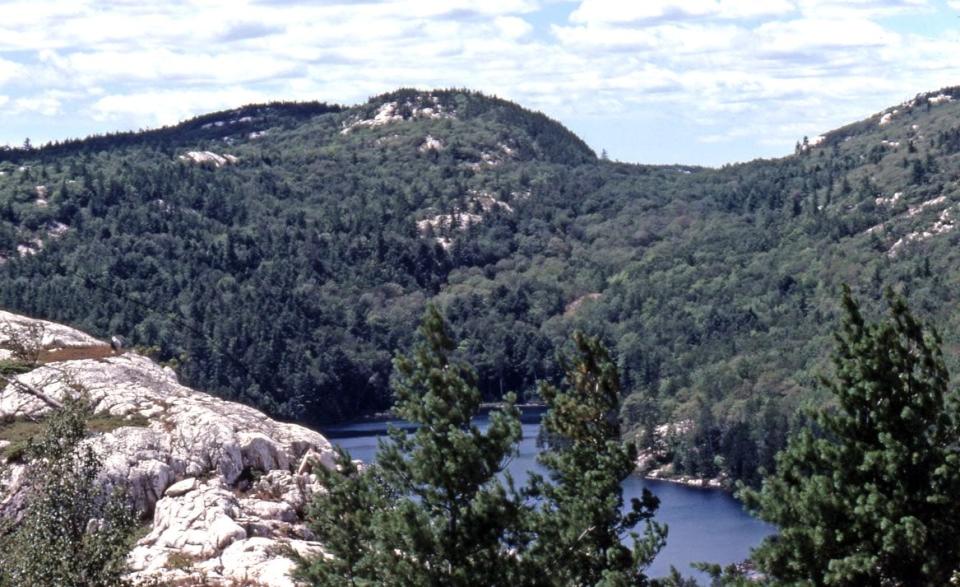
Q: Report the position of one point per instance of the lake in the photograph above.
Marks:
(705, 524)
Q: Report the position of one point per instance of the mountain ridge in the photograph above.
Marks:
(256, 118)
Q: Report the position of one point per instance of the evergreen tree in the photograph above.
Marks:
(343, 519)
(436, 512)
(74, 533)
(451, 523)
(581, 525)
(869, 496)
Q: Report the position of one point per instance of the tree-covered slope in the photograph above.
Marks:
(288, 274)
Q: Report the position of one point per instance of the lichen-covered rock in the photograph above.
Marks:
(53, 335)
(295, 489)
(225, 485)
(212, 531)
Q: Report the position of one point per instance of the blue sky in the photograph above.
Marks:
(654, 81)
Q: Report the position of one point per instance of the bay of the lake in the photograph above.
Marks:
(705, 525)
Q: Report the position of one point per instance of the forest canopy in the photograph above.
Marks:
(289, 274)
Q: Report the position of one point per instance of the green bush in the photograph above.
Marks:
(74, 532)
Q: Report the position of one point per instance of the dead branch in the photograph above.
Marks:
(31, 390)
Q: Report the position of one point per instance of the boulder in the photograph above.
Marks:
(181, 487)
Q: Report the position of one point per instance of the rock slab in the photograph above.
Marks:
(225, 485)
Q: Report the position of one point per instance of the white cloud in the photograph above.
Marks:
(513, 27)
(735, 68)
(430, 8)
(616, 11)
(773, 76)
(165, 65)
(170, 106)
(8, 70)
(48, 104)
(668, 40)
(862, 8)
(808, 35)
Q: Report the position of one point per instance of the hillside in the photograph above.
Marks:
(281, 254)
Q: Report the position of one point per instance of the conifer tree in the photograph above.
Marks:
(432, 511)
(439, 510)
(870, 496)
(343, 518)
(451, 525)
(580, 526)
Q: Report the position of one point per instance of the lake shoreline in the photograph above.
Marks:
(387, 415)
(706, 523)
(643, 470)
(714, 484)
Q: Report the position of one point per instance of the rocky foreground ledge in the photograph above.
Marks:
(224, 485)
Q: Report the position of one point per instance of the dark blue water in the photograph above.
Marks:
(706, 525)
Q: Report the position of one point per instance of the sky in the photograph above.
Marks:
(702, 82)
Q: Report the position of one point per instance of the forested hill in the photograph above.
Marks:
(282, 253)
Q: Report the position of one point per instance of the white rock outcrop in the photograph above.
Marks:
(481, 204)
(225, 486)
(31, 247)
(422, 106)
(209, 158)
(42, 193)
(888, 202)
(57, 229)
(431, 143)
(53, 335)
(652, 461)
(940, 99)
(944, 223)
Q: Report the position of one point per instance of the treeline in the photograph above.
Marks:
(223, 125)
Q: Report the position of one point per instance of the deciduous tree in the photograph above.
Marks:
(74, 532)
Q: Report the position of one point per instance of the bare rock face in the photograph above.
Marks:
(226, 486)
(208, 158)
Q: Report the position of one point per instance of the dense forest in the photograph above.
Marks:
(282, 254)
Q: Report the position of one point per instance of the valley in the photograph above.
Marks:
(282, 254)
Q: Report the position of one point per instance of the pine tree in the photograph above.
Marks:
(439, 509)
(581, 525)
(870, 496)
(448, 519)
(343, 518)
(451, 527)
